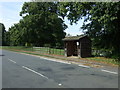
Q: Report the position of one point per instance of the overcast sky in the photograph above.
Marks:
(9, 15)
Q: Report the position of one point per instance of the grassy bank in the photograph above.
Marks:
(32, 53)
(104, 60)
(41, 50)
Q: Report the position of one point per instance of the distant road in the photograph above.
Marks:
(25, 71)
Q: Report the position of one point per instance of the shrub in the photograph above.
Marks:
(28, 44)
(47, 45)
(116, 57)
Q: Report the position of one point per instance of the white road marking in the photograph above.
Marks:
(55, 60)
(61, 62)
(59, 84)
(11, 60)
(83, 66)
(34, 72)
(109, 71)
(45, 58)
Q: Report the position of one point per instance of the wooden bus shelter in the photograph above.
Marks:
(77, 46)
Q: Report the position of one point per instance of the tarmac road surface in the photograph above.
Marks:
(26, 71)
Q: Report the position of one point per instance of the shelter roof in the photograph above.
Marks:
(72, 38)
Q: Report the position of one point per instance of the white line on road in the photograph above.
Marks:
(55, 60)
(109, 71)
(59, 84)
(11, 60)
(83, 66)
(34, 72)
(60, 62)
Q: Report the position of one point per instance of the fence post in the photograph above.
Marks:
(53, 50)
(56, 51)
(60, 51)
(49, 50)
(40, 50)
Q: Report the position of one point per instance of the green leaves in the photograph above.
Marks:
(2, 35)
(104, 19)
(41, 24)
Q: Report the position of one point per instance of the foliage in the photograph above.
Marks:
(40, 25)
(101, 22)
(2, 34)
(43, 23)
(28, 45)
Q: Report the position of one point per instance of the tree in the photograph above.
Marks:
(103, 17)
(2, 34)
(42, 23)
(14, 35)
(7, 38)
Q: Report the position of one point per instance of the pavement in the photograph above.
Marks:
(29, 71)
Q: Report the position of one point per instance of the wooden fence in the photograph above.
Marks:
(48, 50)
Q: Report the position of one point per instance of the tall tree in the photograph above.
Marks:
(2, 34)
(43, 24)
(7, 38)
(15, 37)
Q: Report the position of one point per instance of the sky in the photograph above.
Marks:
(9, 15)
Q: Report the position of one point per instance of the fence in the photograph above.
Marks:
(60, 51)
(48, 50)
(41, 50)
(57, 51)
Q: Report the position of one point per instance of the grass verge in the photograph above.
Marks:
(33, 53)
(92, 59)
(41, 50)
(104, 60)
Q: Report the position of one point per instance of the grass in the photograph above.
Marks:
(44, 51)
(33, 53)
(27, 52)
(104, 60)
(41, 50)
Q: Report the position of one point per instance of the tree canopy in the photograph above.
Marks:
(43, 23)
(40, 25)
(101, 21)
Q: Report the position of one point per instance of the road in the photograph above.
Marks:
(26, 71)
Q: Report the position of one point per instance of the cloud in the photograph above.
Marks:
(75, 28)
(10, 13)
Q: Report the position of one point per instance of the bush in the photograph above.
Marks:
(47, 45)
(28, 44)
(107, 54)
(102, 53)
(116, 57)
